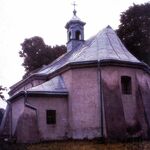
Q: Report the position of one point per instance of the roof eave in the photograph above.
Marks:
(27, 80)
(74, 21)
(34, 93)
(138, 65)
(52, 93)
(93, 63)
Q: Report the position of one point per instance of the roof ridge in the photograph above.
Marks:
(112, 45)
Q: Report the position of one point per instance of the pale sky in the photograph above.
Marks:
(20, 19)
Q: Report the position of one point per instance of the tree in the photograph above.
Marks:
(3, 98)
(134, 31)
(1, 92)
(36, 53)
(2, 111)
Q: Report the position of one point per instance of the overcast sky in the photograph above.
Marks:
(20, 19)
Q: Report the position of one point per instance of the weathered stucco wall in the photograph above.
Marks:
(67, 76)
(5, 128)
(84, 103)
(17, 110)
(124, 113)
(78, 116)
(48, 131)
(27, 127)
(143, 83)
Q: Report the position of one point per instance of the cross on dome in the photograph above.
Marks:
(74, 11)
(74, 4)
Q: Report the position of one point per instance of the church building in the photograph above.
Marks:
(97, 89)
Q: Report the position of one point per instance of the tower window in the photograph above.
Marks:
(78, 35)
(69, 36)
(126, 85)
(51, 116)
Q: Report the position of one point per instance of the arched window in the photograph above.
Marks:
(69, 36)
(78, 35)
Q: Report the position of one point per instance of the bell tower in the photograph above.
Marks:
(75, 32)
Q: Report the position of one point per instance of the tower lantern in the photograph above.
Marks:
(75, 31)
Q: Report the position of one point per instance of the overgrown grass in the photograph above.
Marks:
(77, 145)
(90, 145)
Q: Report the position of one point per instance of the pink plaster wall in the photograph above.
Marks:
(17, 110)
(84, 105)
(79, 115)
(27, 127)
(47, 131)
(143, 82)
(67, 76)
(133, 109)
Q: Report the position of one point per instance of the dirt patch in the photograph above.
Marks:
(77, 145)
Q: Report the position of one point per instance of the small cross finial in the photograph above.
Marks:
(74, 4)
(74, 11)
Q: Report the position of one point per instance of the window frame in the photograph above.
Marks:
(78, 35)
(126, 85)
(69, 36)
(51, 117)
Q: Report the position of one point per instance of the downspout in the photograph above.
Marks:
(10, 119)
(100, 93)
(27, 104)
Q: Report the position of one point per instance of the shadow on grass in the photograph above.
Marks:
(12, 146)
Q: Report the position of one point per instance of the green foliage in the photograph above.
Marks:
(134, 31)
(3, 98)
(36, 53)
(1, 92)
(1, 114)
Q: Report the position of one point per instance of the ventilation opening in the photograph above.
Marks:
(78, 35)
(126, 85)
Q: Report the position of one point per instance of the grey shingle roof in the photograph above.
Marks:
(105, 45)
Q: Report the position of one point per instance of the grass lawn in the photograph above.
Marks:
(77, 145)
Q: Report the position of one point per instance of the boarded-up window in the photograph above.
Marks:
(126, 85)
(51, 116)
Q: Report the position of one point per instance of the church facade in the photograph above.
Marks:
(98, 89)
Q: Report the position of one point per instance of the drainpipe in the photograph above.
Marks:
(101, 100)
(100, 93)
(27, 104)
(10, 119)
(100, 90)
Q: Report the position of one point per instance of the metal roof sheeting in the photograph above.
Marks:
(105, 45)
(54, 85)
